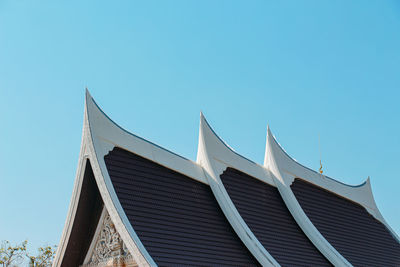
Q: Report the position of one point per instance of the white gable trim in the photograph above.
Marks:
(287, 169)
(214, 156)
(98, 124)
(94, 149)
(83, 157)
(283, 182)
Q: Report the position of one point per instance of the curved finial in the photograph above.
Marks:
(214, 145)
(279, 162)
(267, 153)
(213, 149)
(88, 99)
(275, 156)
(215, 156)
(208, 140)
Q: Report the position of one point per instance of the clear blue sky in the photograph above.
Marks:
(303, 67)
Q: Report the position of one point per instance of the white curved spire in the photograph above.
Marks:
(101, 135)
(274, 161)
(277, 160)
(215, 156)
(361, 194)
(93, 149)
(211, 144)
(107, 134)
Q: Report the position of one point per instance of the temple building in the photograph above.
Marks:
(135, 203)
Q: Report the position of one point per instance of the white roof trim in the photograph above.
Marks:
(360, 194)
(215, 156)
(283, 181)
(291, 169)
(94, 148)
(111, 135)
(224, 154)
(100, 135)
(100, 131)
(69, 221)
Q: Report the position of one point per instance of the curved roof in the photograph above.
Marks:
(175, 217)
(169, 210)
(266, 214)
(357, 235)
(288, 169)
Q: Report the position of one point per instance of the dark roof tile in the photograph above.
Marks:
(177, 219)
(359, 237)
(267, 216)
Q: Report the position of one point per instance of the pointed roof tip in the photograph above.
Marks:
(269, 133)
(90, 103)
(87, 93)
(203, 120)
(205, 127)
(267, 152)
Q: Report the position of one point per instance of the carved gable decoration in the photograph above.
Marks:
(107, 247)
